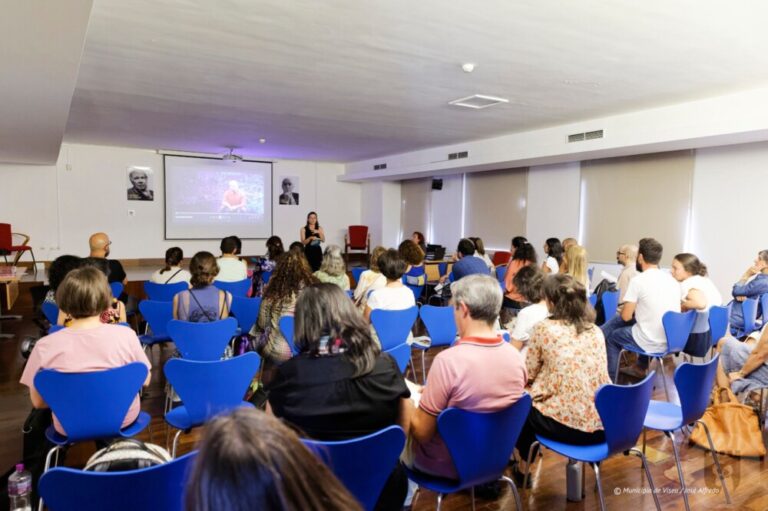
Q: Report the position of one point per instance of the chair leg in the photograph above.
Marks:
(618, 365)
(423, 367)
(439, 500)
(717, 462)
(176, 443)
(663, 377)
(596, 468)
(644, 441)
(679, 469)
(472, 494)
(641, 455)
(511, 483)
(534, 447)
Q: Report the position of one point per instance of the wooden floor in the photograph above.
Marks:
(623, 479)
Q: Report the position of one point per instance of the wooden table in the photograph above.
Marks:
(10, 281)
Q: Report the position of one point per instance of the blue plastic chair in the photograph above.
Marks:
(718, 322)
(356, 272)
(163, 292)
(442, 268)
(157, 316)
(749, 311)
(677, 327)
(485, 458)
(593, 300)
(402, 355)
(265, 276)
(362, 464)
(207, 389)
(93, 405)
(393, 326)
(694, 385)
(286, 328)
(441, 327)
(202, 341)
(622, 410)
(610, 304)
(237, 288)
(51, 312)
(158, 488)
(501, 274)
(246, 312)
(763, 309)
(416, 290)
(117, 288)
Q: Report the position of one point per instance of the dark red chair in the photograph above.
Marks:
(7, 247)
(501, 257)
(357, 238)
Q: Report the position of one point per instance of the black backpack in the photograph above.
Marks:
(604, 286)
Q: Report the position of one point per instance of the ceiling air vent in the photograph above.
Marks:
(478, 101)
(380, 166)
(456, 156)
(589, 135)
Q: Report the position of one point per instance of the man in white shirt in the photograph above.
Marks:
(650, 294)
(231, 268)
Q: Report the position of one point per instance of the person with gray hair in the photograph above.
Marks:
(333, 268)
(752, 284)
(627, 257)
(479, 373)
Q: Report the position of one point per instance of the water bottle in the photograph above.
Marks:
(573, 481)
(20, 489)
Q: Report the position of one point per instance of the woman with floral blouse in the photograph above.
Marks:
(566, 365)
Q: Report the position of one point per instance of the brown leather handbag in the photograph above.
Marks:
(734, 427)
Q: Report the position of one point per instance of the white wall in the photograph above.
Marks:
(380, 211)
(553, 203)
(445, 213)
(60, 206)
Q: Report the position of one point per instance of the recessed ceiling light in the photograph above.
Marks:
(262, 141)
(468, 67)
(478, 101)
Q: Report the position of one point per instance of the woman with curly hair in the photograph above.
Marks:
(291, 275)
(333, 269)
(411, 253)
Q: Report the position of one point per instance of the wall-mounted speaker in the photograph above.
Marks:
(437, 184)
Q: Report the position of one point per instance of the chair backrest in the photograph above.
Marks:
(493, 436)
(6, 238)
(210, 388)
(677, 328)
(362, 464)
(610, 303)
(402, 355)
(202, 341)
(440, 324)
(358, 236)
(163, 292)
(718, 322)
(393, 326)
(622, 409)
(356, 272)
(265, 276)
(117, 288)
(764, 306)
(593, 300)
(246, 312)
(157, 315)
(158, 488)
(416, 290)
(442, 268)
(286, 328)
(51, 312)
(749, 310)
(237, 288)
(501, 257)
(694, 386)
(501, 274)
(91, 405)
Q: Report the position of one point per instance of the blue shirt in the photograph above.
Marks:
(469, 265)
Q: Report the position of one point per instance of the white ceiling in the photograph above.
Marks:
(347, 80)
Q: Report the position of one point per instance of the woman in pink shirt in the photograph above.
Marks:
(87, 344)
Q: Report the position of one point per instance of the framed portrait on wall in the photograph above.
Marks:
(290, 191)
(140, 184)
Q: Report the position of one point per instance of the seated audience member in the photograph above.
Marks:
(172, 272)
(203, 302)
(529, 282)
(479, 373)
(333, 268)
(249, 460)
(626, 257)
(522, 256)
(296, 246)
(340, 385)
(575, 263)
(743, 366)
(567, 243)
(415, 274)
(698, 293)
(752, 284)
(394, 295)
(482, 254)
(115, 313)
(418, 238)
(517, 242)
(370, 280)
(651, 294)
(566, 364)
(466, 262)
(59, 269)
(231, 268)
(88, 344)
(291, 275)
(267, 263)
(99, 244)
(554, 252)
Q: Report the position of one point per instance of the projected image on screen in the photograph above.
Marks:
(210, 198)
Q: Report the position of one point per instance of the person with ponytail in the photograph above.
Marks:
(172, 272)
(566, 363)
(698, 293)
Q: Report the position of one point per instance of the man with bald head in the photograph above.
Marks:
(99, 244)
(627, 257)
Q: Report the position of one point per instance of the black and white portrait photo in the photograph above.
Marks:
(140, 183)
(290, 193)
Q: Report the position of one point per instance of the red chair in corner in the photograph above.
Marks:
(357, 238)
(501, 257)
(7, 247)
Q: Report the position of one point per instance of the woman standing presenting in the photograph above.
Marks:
(311, 236)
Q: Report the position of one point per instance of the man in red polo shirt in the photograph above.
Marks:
(480, 373)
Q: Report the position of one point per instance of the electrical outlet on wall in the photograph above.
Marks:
(131, 212)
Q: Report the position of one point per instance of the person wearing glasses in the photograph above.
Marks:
(627, 257)
(288, 196)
